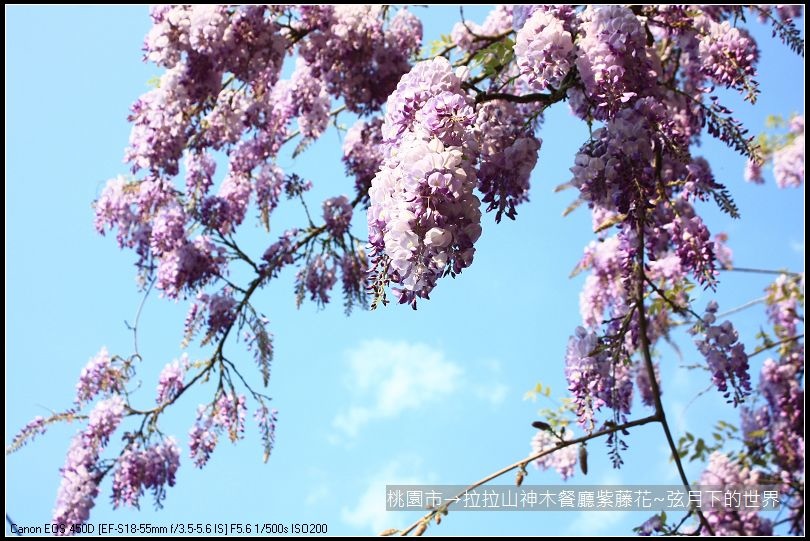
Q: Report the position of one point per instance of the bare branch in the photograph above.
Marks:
(761, 271)
(530, 458)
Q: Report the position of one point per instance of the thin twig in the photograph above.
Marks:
(721, 315)
(296, 133)
(231, 243)
(448, 49)
(556, 95)
(775, 344)
(244, 381)
(701, 393)
(134, 327)
(681, 523)
(761, 271)
(683, 310)
(742, 307)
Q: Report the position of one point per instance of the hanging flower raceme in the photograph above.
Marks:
(226, 414)
(612, 60)
(470, 37)
(725, 356)
(358, 58)
(508, 154)
(544, 50)
(596, 378)
(564, 460)
(618, 161)
(362, 153)
(82, 471)
(137, 470)
(337, 213)
(729, 55)
(423, 217)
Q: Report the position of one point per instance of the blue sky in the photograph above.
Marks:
(389, 396)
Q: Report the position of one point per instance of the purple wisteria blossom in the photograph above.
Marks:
(725, 356)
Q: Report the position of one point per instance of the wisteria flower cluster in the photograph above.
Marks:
(563, 461)
(596, 378)
(423, 216)
(722, 472)
(725, 356)
(226, 415)
(773, 426)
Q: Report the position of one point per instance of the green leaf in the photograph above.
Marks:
(494, 57)
(438, 45)
(774, 121)
(757, 433)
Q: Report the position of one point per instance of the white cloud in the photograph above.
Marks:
(394, 377)
(386, 379)
(797, 246)
(369, 511)
(351, 421)
(494, 393)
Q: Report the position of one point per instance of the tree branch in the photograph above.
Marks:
(296, 133)
(683, 310)
(776, 344)
(219, 353)
(514, 98)
(556, 95)
(641, 279)
(530, 458)
(231, 243)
